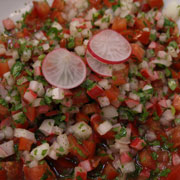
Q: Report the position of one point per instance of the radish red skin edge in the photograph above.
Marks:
(51, 81)
(106, 60)
(97, 72)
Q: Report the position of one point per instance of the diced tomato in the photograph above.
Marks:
(4, 67)
(119, 77)
(125, 157)
(119, 24)
(109, 3)
(110, 172)
(155, 3)
(3, 174)
(109, 135)
(42, 109)
(77, 149)
(146, 159)
(142, 23)
(52, 113)
(58, 4)
(95, 3)
(95, 92)
(176, 102)
(22, 88)
(36, 173)
(3, 110)
(176, 136)
(137, 52)
(131, 103)
(90, 147)
(138, 143)
(57, 15)
(31, 113)
(143, 37)
(42, 9)
(112, 93)
(79, 96)
(175, 159)
(5, 122)
(91, 109)
(158, 48)
(133, 128)
(82, 117)
(81, 174)
(25, 144)
(145, 7)
(145, 173)
(159, 110)
(8, 24)
(129, 34)
(174, 174)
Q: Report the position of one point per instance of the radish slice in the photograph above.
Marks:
(64, 69)
(97, 66)
(110, 47)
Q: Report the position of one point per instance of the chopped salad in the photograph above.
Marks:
(89, 89)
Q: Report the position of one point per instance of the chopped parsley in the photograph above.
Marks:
(120, 133)
(17, 69)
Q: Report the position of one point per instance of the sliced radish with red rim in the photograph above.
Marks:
(64, 69)
(110, 47)
(98, 67)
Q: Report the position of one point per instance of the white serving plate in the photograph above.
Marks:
(15, 8)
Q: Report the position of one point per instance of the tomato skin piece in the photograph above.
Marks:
(120, 77)
(3, 67)
(141, 23)
(155, 3)
(137, 52)
(58, 4)
(42, 9)
(119, 24)
(131, 103)
(37, 172)
(42, 109)
(25, 144)
(112, 93)
(57, 15)
(124, 157)
(110, 172)
(3, 110)
(95, 3)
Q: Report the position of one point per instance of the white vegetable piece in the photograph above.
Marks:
(104, 127)
(8, 132)
(49, 92)
(104, 83)
(126, 139)
(62, 145)
(166, 117)
(2, 49)
(172, 10)
(19, 132)
(80, 50)
(7, 149)
(33, 163)
(58, 94)
(128, 167)
(52, 154)
(147, 87)
(9, 78)
(47, 127)
(37, 102)
(30, 96)
(40, 91)
(56, 25)
(109, 112)
(34, 85)
(40, 36)
(40, 152)
(26, 56)
(37, 64)
(103, 101)
(18, 115)
(45, 47)
(138, 108)
(57, 130)
(2, 135)
(82, 130)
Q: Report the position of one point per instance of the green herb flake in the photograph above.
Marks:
(164, 172)
(79, 151)
(61, 149)
(152, 37)
(79, 178)
(17, 69)
(121, 133)
(168, 23)
(154, 155)
(173, 44)
(44, 151)
(172, 84)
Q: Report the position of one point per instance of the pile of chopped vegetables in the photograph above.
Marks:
(89, 89)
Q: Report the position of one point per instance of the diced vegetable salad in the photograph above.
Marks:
(89, 89)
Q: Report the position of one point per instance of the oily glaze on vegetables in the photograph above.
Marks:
(122, 122)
